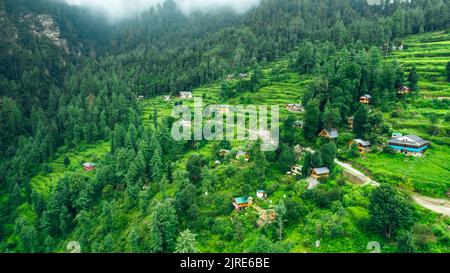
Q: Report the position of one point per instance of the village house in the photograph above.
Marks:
(299, 124)
(319, 173)
(403, 90)
(365, 99)
(261, 194)
(88, 166)
(329, 133)
(230, 76)
(400, 47)
(363, 146)
(295, 170)
(242, 155)
(295, 107)
(240, 203)
(141, 97)
(224, 152)
(350, 122)
(166, 98)
(411, 145)
(242, 75)
(186, 95)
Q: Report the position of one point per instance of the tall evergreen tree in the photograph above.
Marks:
(413, 78)
(361, 121)
(163, 228)
(186, 243)
(312, 121)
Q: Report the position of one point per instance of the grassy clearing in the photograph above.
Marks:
(43, 183)
(428, 175)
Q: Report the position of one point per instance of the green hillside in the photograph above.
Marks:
(79, 85)
(427, 115)
(429, 52)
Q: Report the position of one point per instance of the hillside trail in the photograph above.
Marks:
(441, 206)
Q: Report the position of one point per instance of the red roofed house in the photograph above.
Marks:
(88, 166)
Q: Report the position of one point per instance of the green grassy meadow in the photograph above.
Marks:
(44, 182)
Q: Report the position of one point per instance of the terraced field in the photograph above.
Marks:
(43, 183)
(430, 53)
(420, 116)
(289, 90)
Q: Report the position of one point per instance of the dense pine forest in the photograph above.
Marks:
(76, 88)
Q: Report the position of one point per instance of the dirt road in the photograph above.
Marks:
(440, 206)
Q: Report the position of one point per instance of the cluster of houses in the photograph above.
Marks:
(185, 95)
(241, 203)
(265, 215)
(316, 173)
(240, 75)
(401, 91)
(411, 145)
(295, 107)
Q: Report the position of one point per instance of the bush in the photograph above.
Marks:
(422, 236)
(324, 198)
(395, 114)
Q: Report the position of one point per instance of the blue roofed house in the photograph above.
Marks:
(240, 203)
(409, 145)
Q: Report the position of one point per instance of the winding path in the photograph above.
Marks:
(441, 206)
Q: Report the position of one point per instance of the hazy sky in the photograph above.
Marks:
(119, 9)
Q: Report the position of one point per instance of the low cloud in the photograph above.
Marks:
(120, 9)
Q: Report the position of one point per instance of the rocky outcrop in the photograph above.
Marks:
(44, 26)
